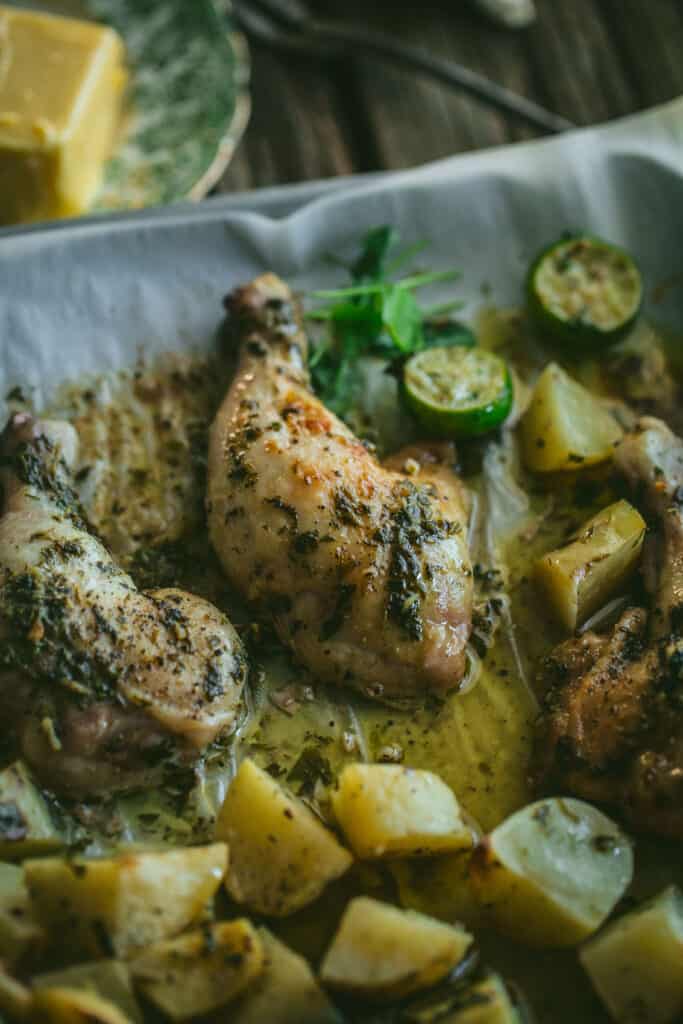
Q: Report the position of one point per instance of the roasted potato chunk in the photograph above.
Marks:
(95, 907)
(387, 810)
(286, 992)
(582, 576)
(382, 952)
(281, 855)
(109, 979)
(73, 1006)
(636, 963)
(551, 873)
(26, 825)
(200, 971)
(565, 427)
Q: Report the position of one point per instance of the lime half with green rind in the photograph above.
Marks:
(584, 292)
(458, 392)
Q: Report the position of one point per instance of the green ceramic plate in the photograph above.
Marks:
(187, 100)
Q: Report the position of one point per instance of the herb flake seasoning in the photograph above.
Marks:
(412, 526)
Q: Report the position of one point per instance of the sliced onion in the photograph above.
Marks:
(605, 616)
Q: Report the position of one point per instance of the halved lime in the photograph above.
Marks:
(584, 292)
(458, 392)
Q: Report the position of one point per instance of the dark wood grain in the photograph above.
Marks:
(296, 131)
(649, 37)
(412, 118)
(580, 69)
(590, 60)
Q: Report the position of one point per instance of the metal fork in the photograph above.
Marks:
(288, 25)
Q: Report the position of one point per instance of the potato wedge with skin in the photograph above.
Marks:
(200, 971)
(440, 887)
(109, 979)
(550, 874)
(386, 810)
(281, 855)
(73, 1006)
(19, 933)
(96, 907)
(565, 427)
(582, 576)
(636, 963)
(26, 825)
(381, 952)
(286, 992)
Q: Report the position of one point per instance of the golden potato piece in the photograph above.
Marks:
(286, 992)
(387, 810)
(26, 825)
(109, 979)
(201, 971)
(551, 873)
(281, 855)
(97, 907)
(582, 576)
(73, 1006)
(382, 952)
(565, 427)
(636, 963)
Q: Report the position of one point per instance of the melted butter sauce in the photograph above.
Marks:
(142, 475)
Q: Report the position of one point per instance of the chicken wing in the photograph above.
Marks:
(613, 724)
(363, 568)
(99, 683)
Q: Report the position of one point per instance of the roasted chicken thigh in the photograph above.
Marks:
(99, 683)
(613, 724)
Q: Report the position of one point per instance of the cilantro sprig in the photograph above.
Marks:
(377, 315)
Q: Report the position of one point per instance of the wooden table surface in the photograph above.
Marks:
(590, 60)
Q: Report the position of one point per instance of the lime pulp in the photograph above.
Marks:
(458, 392)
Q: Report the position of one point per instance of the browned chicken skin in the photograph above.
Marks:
(100, 685)
(613, 723)
(364, 568)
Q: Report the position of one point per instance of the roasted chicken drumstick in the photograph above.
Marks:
(100, 684)
(363, 568)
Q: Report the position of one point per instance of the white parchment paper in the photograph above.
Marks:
(93, 295)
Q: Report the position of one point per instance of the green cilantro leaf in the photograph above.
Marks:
(376, 316)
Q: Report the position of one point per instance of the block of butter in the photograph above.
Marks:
(61, 91)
